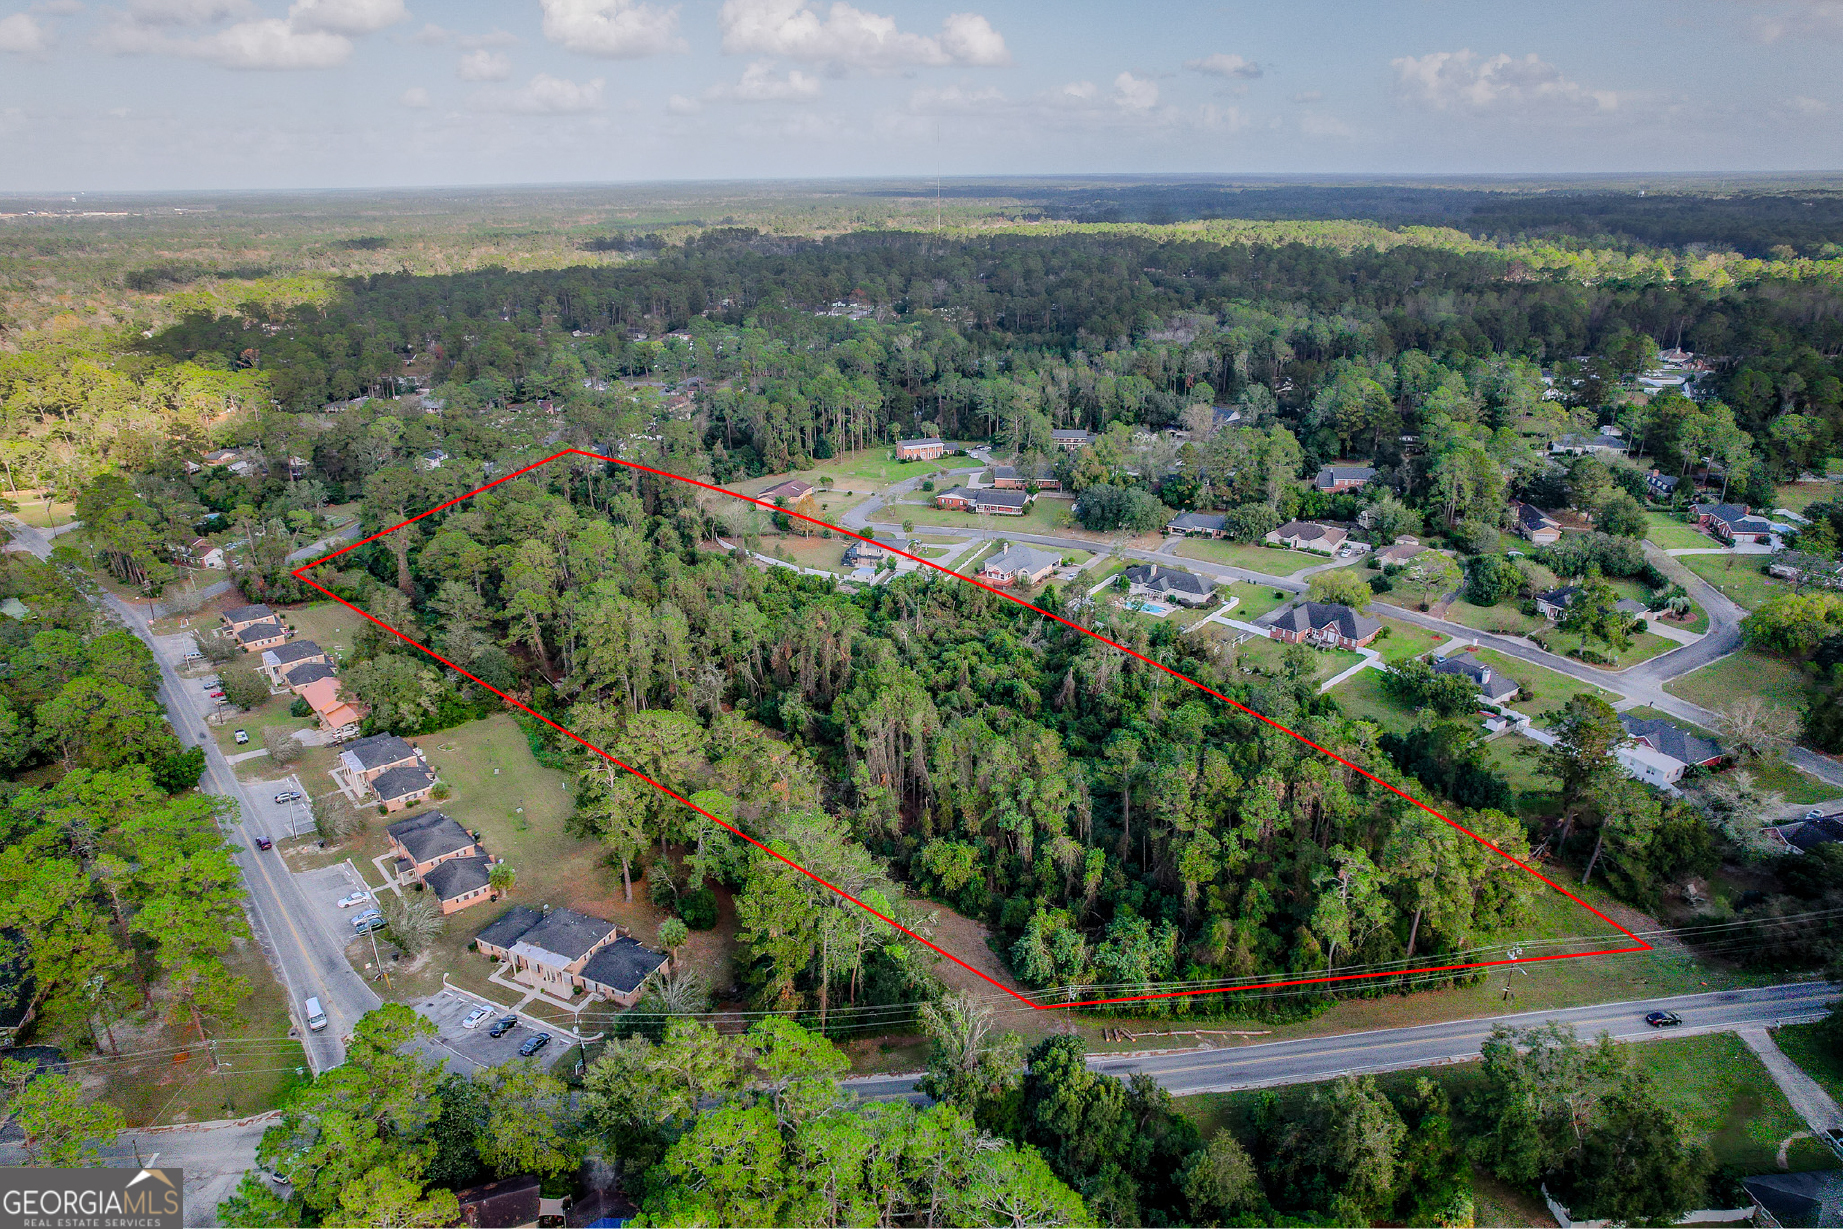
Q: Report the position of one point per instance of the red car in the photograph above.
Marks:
(263, 842)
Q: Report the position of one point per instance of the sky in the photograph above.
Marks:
(212, 94)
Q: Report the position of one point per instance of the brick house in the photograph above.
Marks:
(1309, 536)
(618, 971)
(240, 617)
(1000, 503)
(1198, 525)
(1168, 584)
(793, 490)
(1343, 477)
(277, 662)
(256, 637)
(920, 450)
(365, 761)
(1071, 441)
(1006, 478)
(423, 842)
(1733, 523)
(1323, 625)
(549, 950)
(298, 677)
(1019, 564)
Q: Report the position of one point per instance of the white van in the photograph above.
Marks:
(316, 1018)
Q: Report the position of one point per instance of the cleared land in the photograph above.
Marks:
(1644, 647)
(1044, 516)
(1265, 657)
(1725, 1095)
(1255, 558)
(1548, 689)
(1405, 640)
(1814, 1048)
(1747, 673)
(1668, 533)
(1737, 577)
(327, 624)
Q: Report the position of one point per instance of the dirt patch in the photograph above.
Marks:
(966, 939)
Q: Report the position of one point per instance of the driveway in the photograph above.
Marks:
(469, 1049)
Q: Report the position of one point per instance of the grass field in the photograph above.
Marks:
(1504, 618)
(1783, 778)
(1044, 516)
(1405, 640)
(1644, 647)
(1254, 558)
(1361, 697)
(34, 511)
(868, 472)
(1506, 755)
(327, 624)
(1265, 656)
(1255, 599)
(1814, 1047)
(1797, 496)
(827, 554)
(1738, 577)
(1548, 689)
(1747, 673)
(1725, 1095)
(1668, 533)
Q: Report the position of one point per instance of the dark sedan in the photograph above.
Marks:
(503, 1025)
(534, 1044)
(1664, 1019)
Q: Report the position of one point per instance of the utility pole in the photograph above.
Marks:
(219, 1067)
(377, 959)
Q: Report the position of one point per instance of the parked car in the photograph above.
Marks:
(289, 795)
(355, 898)
(475, 1016)
(211, 684)
(242, 736)
(533, 1044)
(217, 695)
(1663, 1019)
(503, 1025)
(368, 921)
(263, 842)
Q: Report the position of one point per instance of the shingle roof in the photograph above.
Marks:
(378, 750)
(1309, 531)
(1069, 435)
(1825, 830)
(1670, 740)
(920, 443)
(457, 877)
(1199, 520)
(1006, 499)
(248, 614)
(1021, 559)
(1559, 597)
(429, 836)
(1531, 517)
(509, 927)
(402, 782)
(313, 671)
(1344, 473)
(1311, 616)
(1167, 579)
(567, 933)
(300, 650)
(260, 631)
(623, 965)
(1490, 683)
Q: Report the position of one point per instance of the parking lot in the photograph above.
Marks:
(467, 1049)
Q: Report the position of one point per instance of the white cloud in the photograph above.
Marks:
(760, 84)
(679, 104)
(849, 37)
(618, 29)
(1135, 93)
(432, 35)
(548, 95)
(1308, 96)
(1223, 64)
(484, 65)
(345, 16)
(187, 12)
(1461, 81)
(415, 98)
(957, 100)
(22, 35)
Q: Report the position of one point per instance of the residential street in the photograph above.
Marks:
(213, 1156)
(309, 954)
(1323, 1058)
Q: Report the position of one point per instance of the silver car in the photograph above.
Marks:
(475, 1016)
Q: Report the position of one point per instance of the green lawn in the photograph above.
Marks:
(1548, 689)
(1747, 673)
(1668, 533)
(1504, 619)
(1814, 1048)
(1265, 657)
(1361, 697)
(1405, 640)
(1799, 787)
(1738, 577)
(1797, 496)
(33, 510)
(1643, 647)
(327, 624)
(867, 472)
(1725, 1095)
(827, 554)
(1044, 516)
(1507, 756)
(1253, 600)
(1254, 558)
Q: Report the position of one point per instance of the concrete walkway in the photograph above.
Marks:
(1373, 660)
(1811, 1102)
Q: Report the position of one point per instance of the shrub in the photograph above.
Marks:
(698, 910)
(300, 708)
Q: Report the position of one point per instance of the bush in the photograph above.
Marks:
(698, 910)
(281, 744)
(244, 687)
(1381, 583)
(300, 708)
(928, 484)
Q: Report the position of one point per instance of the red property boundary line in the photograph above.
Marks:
(1640, 945)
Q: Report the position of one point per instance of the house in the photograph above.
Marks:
(861, 553)
(240, 617)
(548, 950)
(277, 662)
(793, 490)
(1661, 486)
(1662, 736)
(432, 459)
(335, 715)
(1151, 580)
(1322, 624)
(1597, 445)
(618, 971)
(503, 1204)
(1016, 564)
(1309, 535)
(1006, 478)
(424, 842)
(1733, 523)
(1807, 834)
(461, 883)
(920, 450)
(256, 637)
(207, 555)
(1554, 603)
(1198, 525)
(1486, 682)
(1224, 416)
(1000, 503)
(1401, 551)
(298, 677)
(1343, 477)
(1531, 522)
(1812, 1197)
(398, 788)
(1071, 441)
(363, 760)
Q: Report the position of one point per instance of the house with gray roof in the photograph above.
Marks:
(424, 842)
(461, 883)
(397, 788)
(551, 952)
(1170, 584)
(497, 937)
(1321, 624)
(1667, 739)
(299, 677)
(1197, 525)
(255, 637)
(1019, 565)
(1343, 477)
(619, 970)
(278, 661)
(239, 617)
(1495, 687)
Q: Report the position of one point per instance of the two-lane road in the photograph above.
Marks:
(1307, 1059)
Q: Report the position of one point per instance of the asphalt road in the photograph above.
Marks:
(1322, 1058)
(212, 1155)
(306, 949)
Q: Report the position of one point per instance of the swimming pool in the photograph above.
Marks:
(1152, 608)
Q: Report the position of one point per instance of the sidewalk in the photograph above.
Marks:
(1811, 1102)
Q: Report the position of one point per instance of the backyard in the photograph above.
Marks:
(1362, 697)
(1254, 558)
(1725, 1095)
(1264, 656)
(1042, 516)
(1644, 647)
(1669, 533)
(1814, 1047)
(327, 624)
(1737, 577)
(1548, 689)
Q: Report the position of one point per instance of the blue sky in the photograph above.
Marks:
(177, 94)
